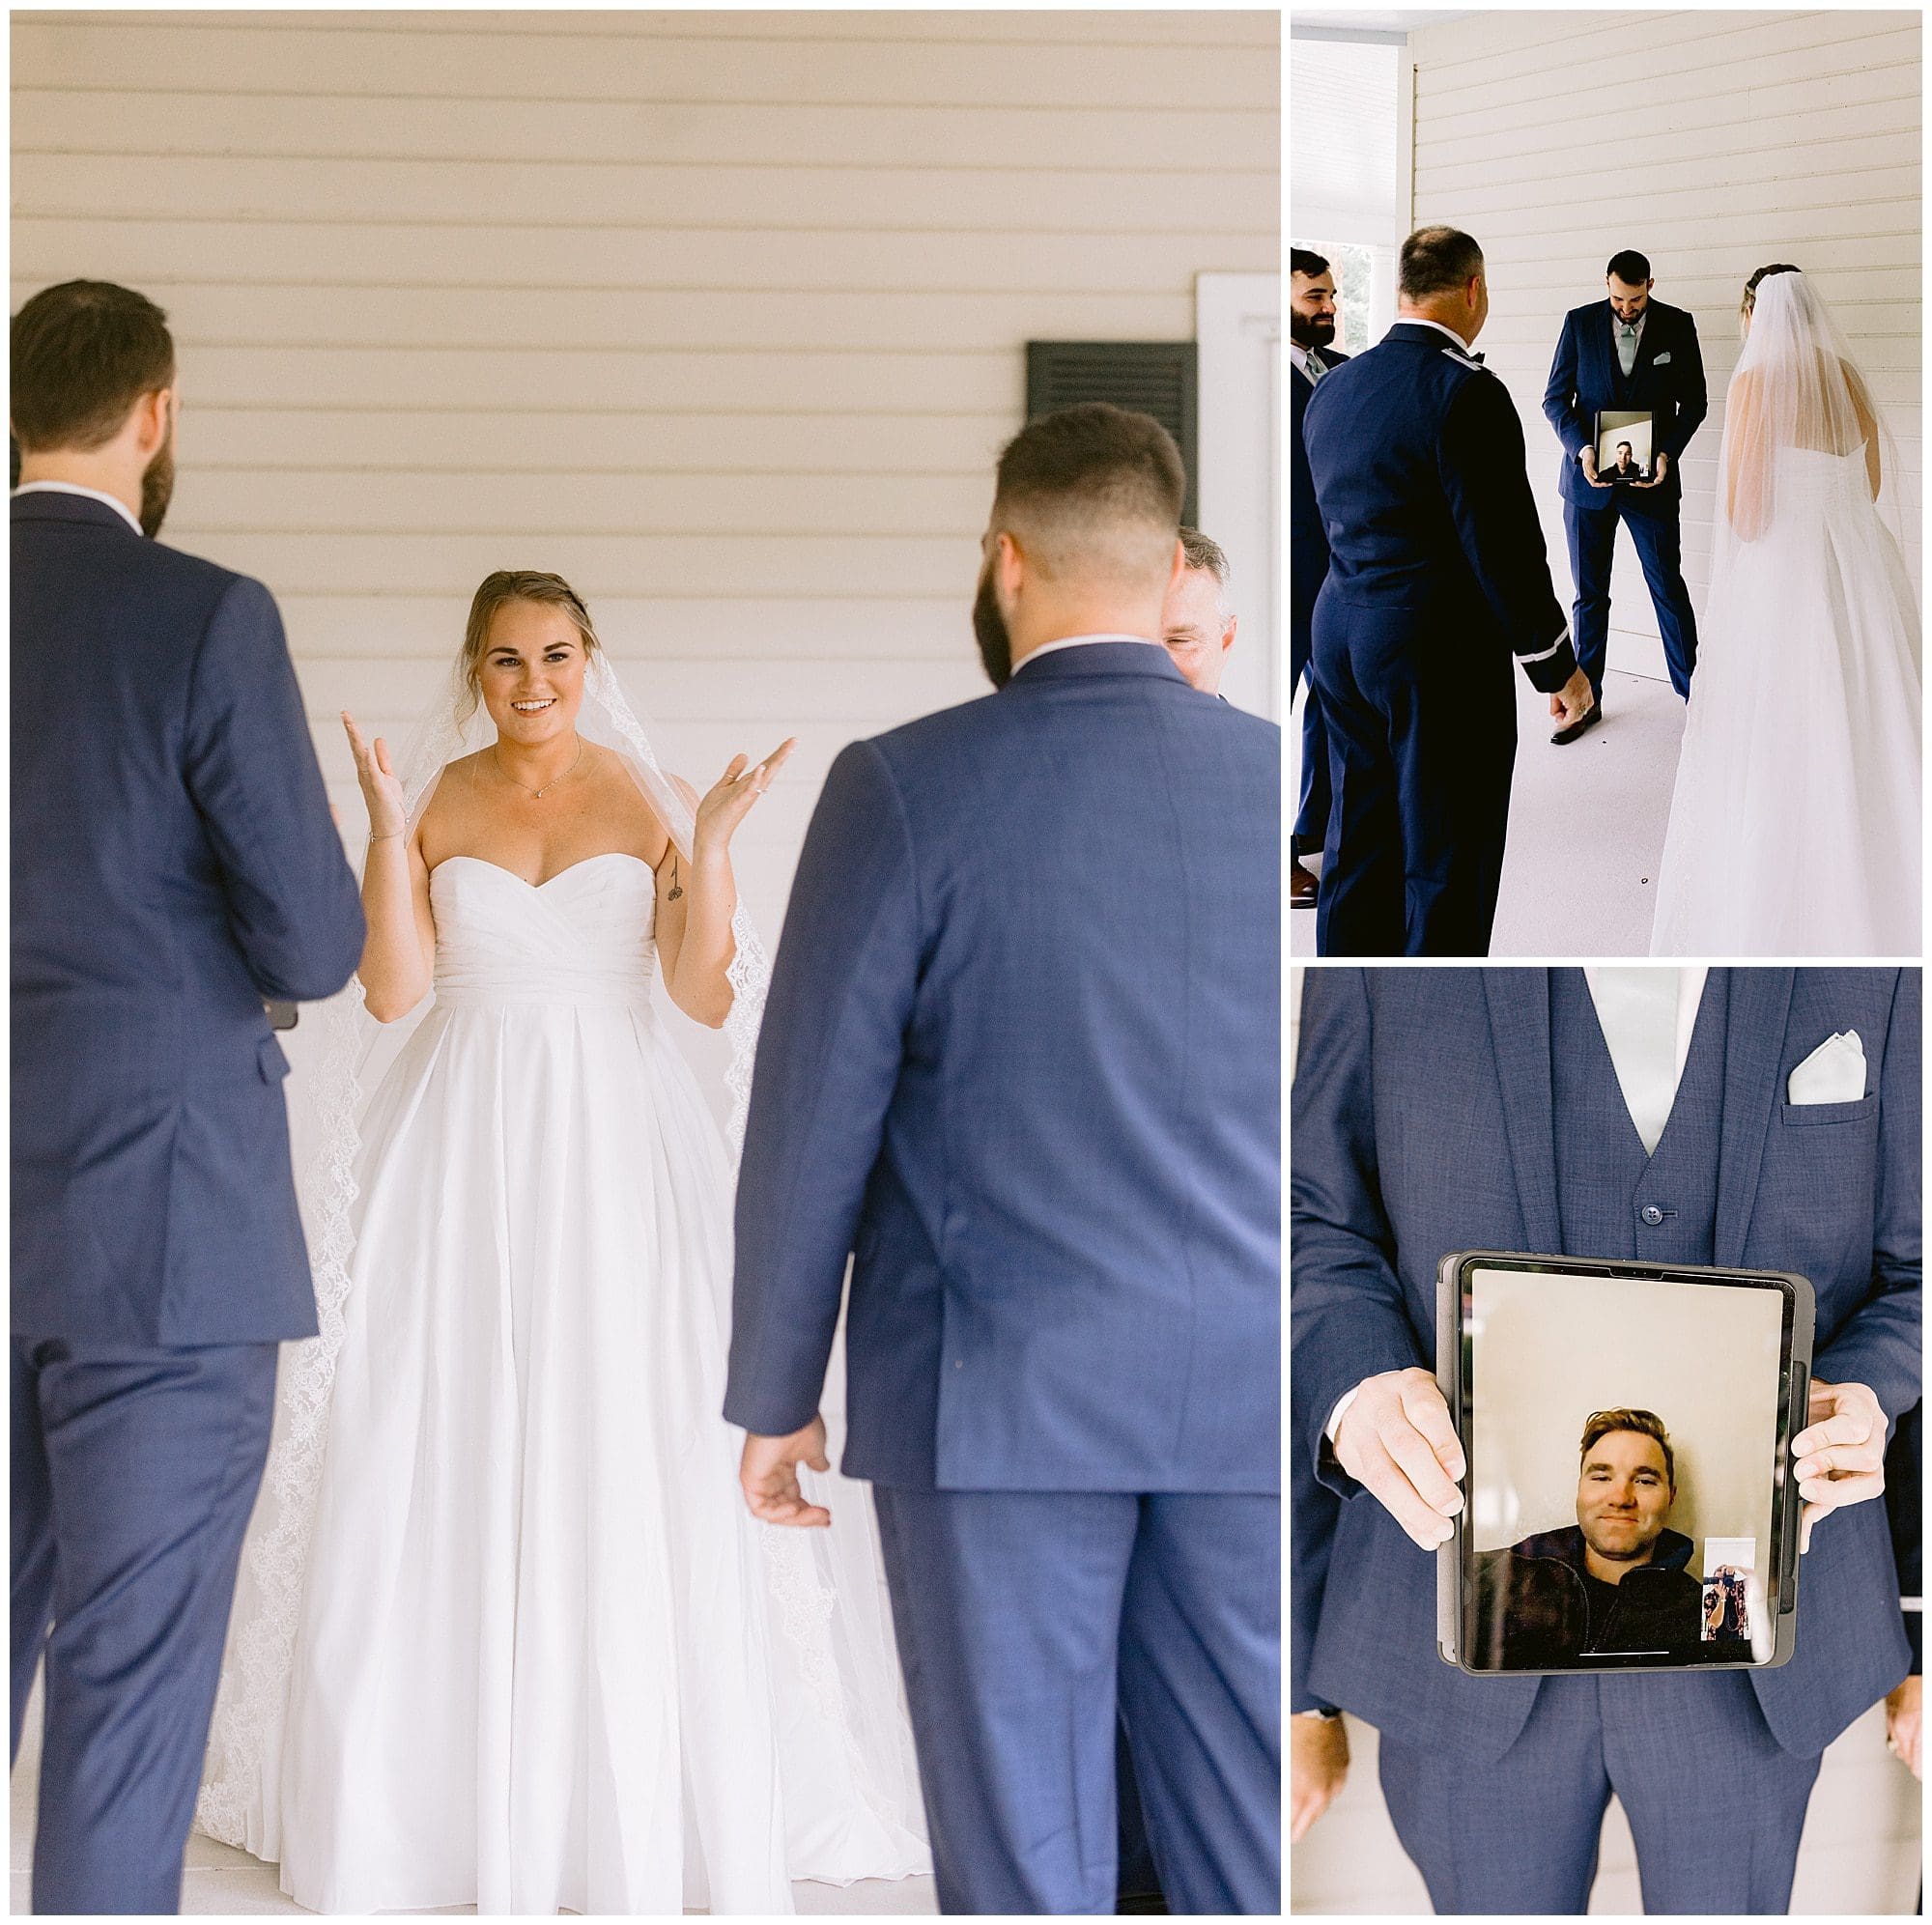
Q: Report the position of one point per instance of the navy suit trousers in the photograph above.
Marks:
(1314, 794)
(1715, 1804)
(133, 1475)
(1030, 1625)
(1593, 536)
(1421, 724)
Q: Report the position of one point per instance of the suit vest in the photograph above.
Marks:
(1614, 1200)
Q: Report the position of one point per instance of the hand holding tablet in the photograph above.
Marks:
(1397, 1441)
(1840, 1454)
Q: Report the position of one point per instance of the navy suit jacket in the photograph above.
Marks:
(1423, 1126)
(1586, 377)
(1307, 549)
(1020, 1056)
(174, 864)
(1417, 459)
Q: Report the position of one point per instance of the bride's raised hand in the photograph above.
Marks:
(731, 796)
(382, 787)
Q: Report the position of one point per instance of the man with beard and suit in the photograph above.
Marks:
(1762, 1119)
(1310, 333)
(1436, 579)
(174, 866)
(1637, 354)
(1019, 1061)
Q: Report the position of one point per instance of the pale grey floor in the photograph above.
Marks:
(220, 1881)
(1586, 828)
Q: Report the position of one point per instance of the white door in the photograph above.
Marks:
(1238, 447)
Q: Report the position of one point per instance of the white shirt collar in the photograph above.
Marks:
(1298, 354)
(1416, 321)
(1080, 641)
(1691, 981)
(114, 501)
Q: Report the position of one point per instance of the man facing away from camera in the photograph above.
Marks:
(174, 866)
(1436, 581)
(1018, 1061)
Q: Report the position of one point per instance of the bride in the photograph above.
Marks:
(505, 1634)
(1795, 825)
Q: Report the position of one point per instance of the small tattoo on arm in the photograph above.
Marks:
(675, 889)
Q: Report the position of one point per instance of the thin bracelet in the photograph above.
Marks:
(390, 837)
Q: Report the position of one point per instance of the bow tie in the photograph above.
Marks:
(1477, 358)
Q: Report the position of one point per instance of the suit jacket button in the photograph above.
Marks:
(1652, 1214)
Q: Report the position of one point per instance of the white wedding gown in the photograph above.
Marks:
(1794, 824)
(545, 1658)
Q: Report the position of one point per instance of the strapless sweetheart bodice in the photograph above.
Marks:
(584, 936)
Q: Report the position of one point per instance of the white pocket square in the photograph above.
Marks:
(1661, 358)
(1834, 1072)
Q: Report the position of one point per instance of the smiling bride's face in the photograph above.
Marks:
(532, 673)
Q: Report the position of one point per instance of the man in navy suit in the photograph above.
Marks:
(1019, 1056)
(174, 864)
(1436, 577)
(1631, 1114)
(1635, 354)
(1311, 334)
(1197, 626)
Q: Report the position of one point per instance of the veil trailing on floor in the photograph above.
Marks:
(831, 1650)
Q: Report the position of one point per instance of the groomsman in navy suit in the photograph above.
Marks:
(1635, 354)
(174, 866)
(1637, 1113)
(1019, 1062)
(1311, 331)
(1436, 579)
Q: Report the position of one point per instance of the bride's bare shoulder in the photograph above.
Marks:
(449, 801)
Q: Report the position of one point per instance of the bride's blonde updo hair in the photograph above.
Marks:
(515, 584)
(1749, 300)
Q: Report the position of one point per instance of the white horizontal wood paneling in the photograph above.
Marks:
(719, 314)
(1739, 138)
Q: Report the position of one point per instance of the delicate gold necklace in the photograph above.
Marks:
(496, 754)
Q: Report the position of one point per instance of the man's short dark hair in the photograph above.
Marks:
(1089, 484)
(1629, 266)
(1438, 260)
(1624, 448)
(1645, 1423)
(1202, 553)
(1304, 261)
(84, 353)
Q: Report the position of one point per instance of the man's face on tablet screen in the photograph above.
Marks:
(1622, 1495)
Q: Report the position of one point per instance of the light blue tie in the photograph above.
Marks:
(1315, 367)
(1626, 347)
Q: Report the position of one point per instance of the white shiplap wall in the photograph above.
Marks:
(719, 314)
(1713, 142)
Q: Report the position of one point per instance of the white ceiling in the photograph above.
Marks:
(1374, 19)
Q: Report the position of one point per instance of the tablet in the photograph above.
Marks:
(1630, 1500)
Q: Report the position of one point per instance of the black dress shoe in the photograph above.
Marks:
(1584, 722)
(1301, 886)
